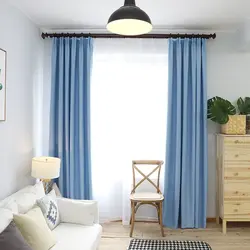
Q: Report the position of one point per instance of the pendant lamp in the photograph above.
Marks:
(129, 20)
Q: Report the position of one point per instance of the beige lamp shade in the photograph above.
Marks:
(45, 167)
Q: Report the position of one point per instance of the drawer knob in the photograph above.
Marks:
(235, 210)
(236, 174)
(236, 156)
(236, 192)
(236, 141)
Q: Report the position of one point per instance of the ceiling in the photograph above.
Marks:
(175, 14)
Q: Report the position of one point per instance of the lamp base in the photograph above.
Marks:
(47, 184)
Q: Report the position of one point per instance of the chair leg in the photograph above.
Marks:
(161, 223)
(132, 218)
(158, 212)
(131, 212)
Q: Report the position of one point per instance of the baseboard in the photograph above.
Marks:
(211, 220)
(151, 220)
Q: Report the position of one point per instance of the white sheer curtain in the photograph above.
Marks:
(128, 118)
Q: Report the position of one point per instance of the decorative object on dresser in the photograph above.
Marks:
(244, 108)
(233, 178)
(223, 112)
(46, 168)
(248, 124)
(236, 125)
(3, 56)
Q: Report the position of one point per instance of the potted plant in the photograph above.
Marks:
(244, 109)
(223, 112)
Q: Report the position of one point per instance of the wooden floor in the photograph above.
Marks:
(115, 236)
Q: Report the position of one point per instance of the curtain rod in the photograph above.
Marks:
(154, 36)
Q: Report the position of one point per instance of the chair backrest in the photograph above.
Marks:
(137, 168)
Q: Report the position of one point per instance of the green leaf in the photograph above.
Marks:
(219, 109)
(244, 105)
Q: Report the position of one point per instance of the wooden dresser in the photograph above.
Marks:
(233, 173)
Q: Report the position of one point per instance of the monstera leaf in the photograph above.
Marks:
(219, 109)
(244, 106)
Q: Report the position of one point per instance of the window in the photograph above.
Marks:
(128, 118)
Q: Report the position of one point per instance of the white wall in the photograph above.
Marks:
(21, 39)
(229, 77)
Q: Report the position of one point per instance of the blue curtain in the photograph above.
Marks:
(70, 114)
(186, 157)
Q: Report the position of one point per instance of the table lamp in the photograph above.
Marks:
(45, 168)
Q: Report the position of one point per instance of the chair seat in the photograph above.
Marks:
(146, 197)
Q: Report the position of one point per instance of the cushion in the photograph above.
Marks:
(12, 239)
(23, 200)
(48, 205)
(35, 230)
(146, 196)
(6, 217)
(11, 198)
(81, 237)
(27, 198)
(57, 190)
(76, 211)
(12, 206)
(39, 190)
(10, 203)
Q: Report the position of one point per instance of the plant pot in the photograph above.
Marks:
(248, 124)
(235, 126)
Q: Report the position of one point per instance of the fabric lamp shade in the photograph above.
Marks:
(45, 167)
(129, 20)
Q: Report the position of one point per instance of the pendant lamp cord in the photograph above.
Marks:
(129, 2)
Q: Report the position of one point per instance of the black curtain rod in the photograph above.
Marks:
(154, 36)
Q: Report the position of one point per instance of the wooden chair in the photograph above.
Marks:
(141, 198)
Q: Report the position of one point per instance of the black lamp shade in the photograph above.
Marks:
(129, 20)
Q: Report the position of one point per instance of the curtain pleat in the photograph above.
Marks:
(70, 119)
(186, 156)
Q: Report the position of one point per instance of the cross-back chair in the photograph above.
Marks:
(138, 199)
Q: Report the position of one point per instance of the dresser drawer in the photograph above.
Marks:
(239, 173)
(237, 155)
(237, 208)
(241, 165)
(236, 189)
(237, 140)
